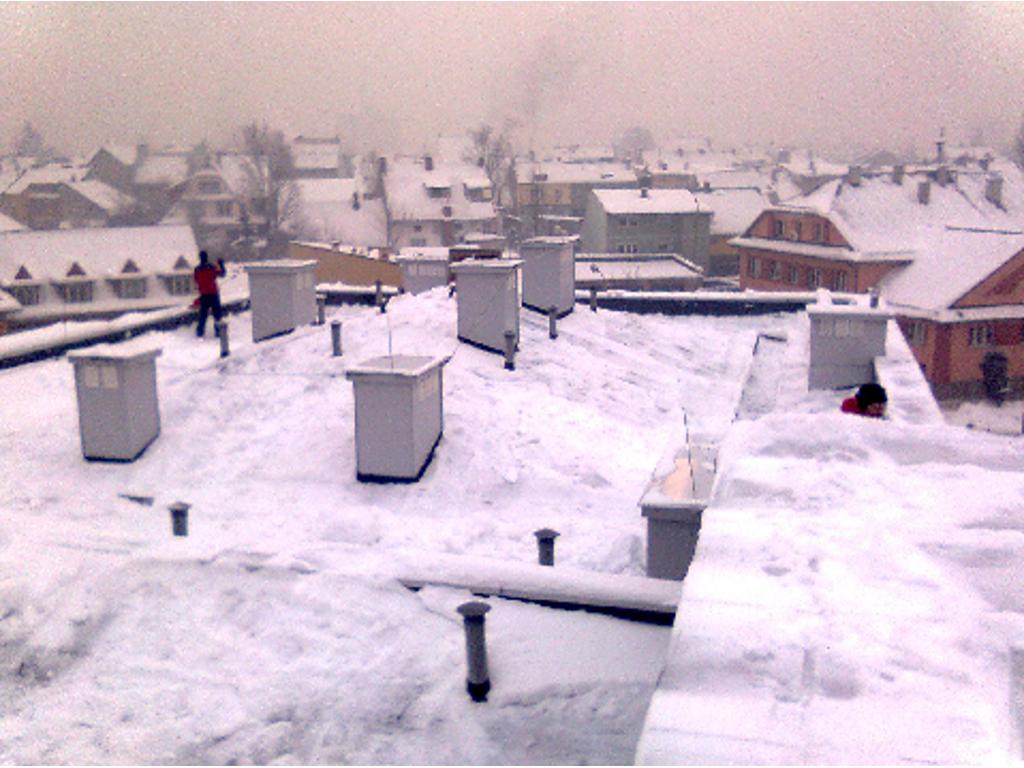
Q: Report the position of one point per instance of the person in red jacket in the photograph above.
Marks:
(206, 276)
(870, 400)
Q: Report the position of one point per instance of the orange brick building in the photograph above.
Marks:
(944, 248)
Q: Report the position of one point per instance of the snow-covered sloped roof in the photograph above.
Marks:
(620, 201)
(953, 262)
(407, 182)
(237, 171)
(99, 251)
(163, 169)
(126, 154)
(880, 215)
(733, 210)
(576, 173)
(105, 196)
(48, 174)
(732, 178)
(7, 224)
(324, 212)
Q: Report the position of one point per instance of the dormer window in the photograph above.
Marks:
(75, 270)
(438, 191)
(208, 187)
(130, 267)
(182, 263)
(23, 273)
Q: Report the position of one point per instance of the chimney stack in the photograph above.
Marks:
(943, 175)
(428, 162)
(924, 192)
(897, 174)
(853, 176)
(994, 190)
(644, 192)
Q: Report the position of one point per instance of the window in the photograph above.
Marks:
(981, 335)
(799, 230)
(664, 248)
(76, 293)
(754, 266)
(418, 242)
(209, 187)
(779, 228)
(824, 232)
(417, 227)
(817, 232)
(135, 288)
(794, 274)
(813, 278)
(916, 333)
(628, 248)
(628, 221)
(26, 295)
(178, 285)
(839, 282)
(224, 209)
(774, 270)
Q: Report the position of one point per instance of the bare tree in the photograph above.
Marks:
(270, 172)
(493, 151)
(30, 143)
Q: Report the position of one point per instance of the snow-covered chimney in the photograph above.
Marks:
(897, 174)
(994, 190)
(428, 162)
(943, 175)
(644, 192)
(924, 192)
(853, 176)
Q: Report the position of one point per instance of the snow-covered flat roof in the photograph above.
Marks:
(850, 573)
(624, 201)
(634, 268)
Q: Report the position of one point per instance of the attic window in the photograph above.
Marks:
(23, 274)
(130, 267)
(76, 270)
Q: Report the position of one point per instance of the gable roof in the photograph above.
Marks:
(407, 181)
(955, 262)
(324, 212)
(7, 224)
(103, 195)
(162, 169)
(48, 174)
(99, 251)
(733, 210)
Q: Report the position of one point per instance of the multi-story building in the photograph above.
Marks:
(650, 221)
(96, 272)
(942, 246)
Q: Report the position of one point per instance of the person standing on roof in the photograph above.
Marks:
(206, 276)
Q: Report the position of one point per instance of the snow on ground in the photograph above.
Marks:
(1005, 419)
(278, 632)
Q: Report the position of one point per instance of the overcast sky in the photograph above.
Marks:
(397, 75)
